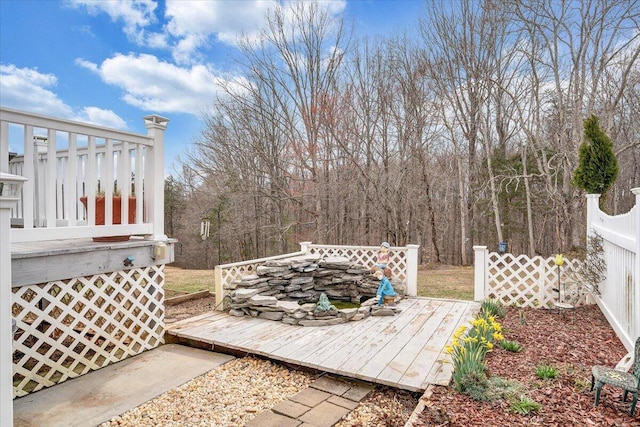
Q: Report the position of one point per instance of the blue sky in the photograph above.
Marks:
(110, 62)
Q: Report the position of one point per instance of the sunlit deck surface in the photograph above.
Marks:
(405, 351)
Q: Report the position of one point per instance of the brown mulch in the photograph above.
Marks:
(572, 345)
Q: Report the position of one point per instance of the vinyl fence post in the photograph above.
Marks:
(480, 267)
(412, 270)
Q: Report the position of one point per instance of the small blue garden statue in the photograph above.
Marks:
(385, 289)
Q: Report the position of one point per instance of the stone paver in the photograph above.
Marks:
(325, 402)
(310, 397)
(270, 419)
(290, 408)
(331, 385)
(324, 415)
(341, 401)
(357, 392)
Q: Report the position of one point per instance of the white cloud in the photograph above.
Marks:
(28, 89)
(192, 25)
(136, 14)
(101, 117)
(153, 85)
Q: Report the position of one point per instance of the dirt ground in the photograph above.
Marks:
(188, 309)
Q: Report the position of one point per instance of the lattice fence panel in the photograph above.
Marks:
(237, 272)
(528, 282)
(367, 256)
(68, 328)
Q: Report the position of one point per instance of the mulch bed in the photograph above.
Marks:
(571, 344)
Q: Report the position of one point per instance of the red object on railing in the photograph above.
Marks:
(116, 217)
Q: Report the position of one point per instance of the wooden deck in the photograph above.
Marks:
(405, 351)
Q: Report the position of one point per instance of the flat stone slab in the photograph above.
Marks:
(324, 415)
(357, 392)
(310, 397)
(331, 385)
(290, 408)
(341, 401)
(270, 419)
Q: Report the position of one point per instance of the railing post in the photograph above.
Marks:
(304, 247)
(8, 201)
(412, 270)
(481, 258)
(636, 273)
(154, 176)
(592, 211)
(219, 287)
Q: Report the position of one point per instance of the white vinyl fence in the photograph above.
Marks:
(619, 297)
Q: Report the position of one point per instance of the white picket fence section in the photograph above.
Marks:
(403, 264)
(619, 297)
(68, 328)
(522, 281)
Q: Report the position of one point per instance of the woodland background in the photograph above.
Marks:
(465, 132)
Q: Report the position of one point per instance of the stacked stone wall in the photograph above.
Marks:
(288, 291)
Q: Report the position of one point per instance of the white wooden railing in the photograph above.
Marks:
(619, 297)
(403, 264)
(64, 160)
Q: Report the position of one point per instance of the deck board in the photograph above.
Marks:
(404, 351)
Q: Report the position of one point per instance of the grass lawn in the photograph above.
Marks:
(179, 280)
(446, 282)
(442, 282)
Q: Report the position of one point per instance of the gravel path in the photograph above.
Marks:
(226, 396)
(237, 391)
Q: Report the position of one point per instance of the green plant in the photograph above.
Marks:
(500, 388)
(523, 405)
(521, 317)
(597, 164)
(486, 330)
(469, 363)
(545, 372)
(468, 351)
(511, 346)
(492, 307)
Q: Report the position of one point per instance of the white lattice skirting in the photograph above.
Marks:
(68, 328)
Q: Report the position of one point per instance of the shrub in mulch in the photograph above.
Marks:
(570, 345)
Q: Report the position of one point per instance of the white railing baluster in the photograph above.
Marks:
(108, 178)
(70, 178)
(50, 180)
(91, 180)
(138, 188)
(28, 189)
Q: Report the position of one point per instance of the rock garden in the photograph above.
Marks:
(310, 291)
